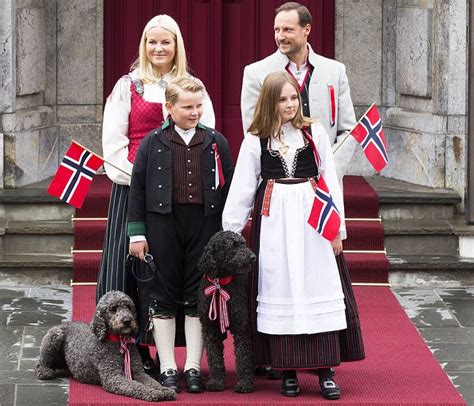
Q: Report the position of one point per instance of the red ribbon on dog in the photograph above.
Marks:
(216, 289)
(124, 341)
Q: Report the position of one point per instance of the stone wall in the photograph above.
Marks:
(410, 58)
(51, 76)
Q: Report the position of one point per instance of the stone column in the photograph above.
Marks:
(51, 77)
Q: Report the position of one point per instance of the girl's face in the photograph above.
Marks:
(160, 49)
(289, 103)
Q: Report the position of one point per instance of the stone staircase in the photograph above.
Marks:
(422, 233)
(36, 237)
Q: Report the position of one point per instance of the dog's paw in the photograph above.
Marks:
(42, 372)
(214, 385)
(243, 387)
(163, 394)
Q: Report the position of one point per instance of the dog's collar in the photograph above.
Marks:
(115, 338)
(221, 281)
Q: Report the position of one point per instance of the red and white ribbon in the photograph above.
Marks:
(124, 341)
(219, 178)
(332, 105)
(127, 365)
(215, 289)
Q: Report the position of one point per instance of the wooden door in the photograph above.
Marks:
(221, 37)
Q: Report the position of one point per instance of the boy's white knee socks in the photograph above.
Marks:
(164, 332)
(194, 343)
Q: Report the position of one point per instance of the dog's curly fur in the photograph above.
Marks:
(227, 254)
(83, 351)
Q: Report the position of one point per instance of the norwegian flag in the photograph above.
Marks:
(324, 216)
(74, 175)
(369, 133)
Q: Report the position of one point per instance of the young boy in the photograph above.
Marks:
(180, 180)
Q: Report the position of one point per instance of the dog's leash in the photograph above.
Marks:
(149, 260)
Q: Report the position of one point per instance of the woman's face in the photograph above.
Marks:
(288, 104)
(160, 49)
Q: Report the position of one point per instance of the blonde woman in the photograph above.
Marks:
(134, 108)
(304, 312)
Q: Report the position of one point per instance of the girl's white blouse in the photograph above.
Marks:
(247, 177)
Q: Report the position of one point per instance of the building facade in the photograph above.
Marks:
(407, 56)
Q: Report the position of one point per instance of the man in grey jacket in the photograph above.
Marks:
(323, 82)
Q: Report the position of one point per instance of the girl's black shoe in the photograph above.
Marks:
(329, 388)
(289, 384)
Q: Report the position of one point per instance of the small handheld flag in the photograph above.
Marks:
(369, 133)
(324, 216)
(74, 175)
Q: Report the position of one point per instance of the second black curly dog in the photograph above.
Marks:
(226, 254)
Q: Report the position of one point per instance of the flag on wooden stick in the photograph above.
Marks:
(74, 175)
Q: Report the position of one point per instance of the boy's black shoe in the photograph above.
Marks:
(194, 381)
(170, 379)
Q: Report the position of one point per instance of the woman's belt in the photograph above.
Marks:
(267, 196)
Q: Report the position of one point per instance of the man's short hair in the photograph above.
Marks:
(303, 13)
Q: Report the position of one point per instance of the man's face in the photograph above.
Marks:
(290, 37)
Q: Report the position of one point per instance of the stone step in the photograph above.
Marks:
(400, 200)
(40, 236)
(32, 203)
(48, 269)
(431, 270)
(421, 237)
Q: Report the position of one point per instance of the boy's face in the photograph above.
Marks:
(187, 110)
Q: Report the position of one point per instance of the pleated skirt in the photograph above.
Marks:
(304, 351)
(113, 274)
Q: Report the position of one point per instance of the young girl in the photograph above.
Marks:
(134, 108)
(305, 317)
(179, 184)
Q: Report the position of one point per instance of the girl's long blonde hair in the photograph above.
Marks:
(266, 119)
(146, 72)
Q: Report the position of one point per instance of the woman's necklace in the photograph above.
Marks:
(163, 83)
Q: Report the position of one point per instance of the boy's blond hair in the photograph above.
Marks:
(179, 85)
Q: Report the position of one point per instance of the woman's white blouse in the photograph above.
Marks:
(115, 124)
(246, 178)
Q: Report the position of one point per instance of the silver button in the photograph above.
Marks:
(212, 152)
(189, 173)
(156, 132)
(190, 184)
(189, 160)
(159, 186)
(213, 170)
(190, 196)
(159, 150)
(213, 132)
(212, 187)
(189, 149)
(160, 204)
(212, 206)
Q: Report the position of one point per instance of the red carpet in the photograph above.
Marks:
(361, 202)
(399, 368)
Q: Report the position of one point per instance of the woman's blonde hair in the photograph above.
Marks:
(179, 85)
(266, 119)
(146, 72)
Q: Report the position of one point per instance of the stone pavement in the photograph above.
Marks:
(444, 317)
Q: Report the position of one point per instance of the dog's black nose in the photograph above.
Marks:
(253, 258)
(127, 321)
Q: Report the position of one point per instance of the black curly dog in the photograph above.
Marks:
(226, 254)
(91, 353)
